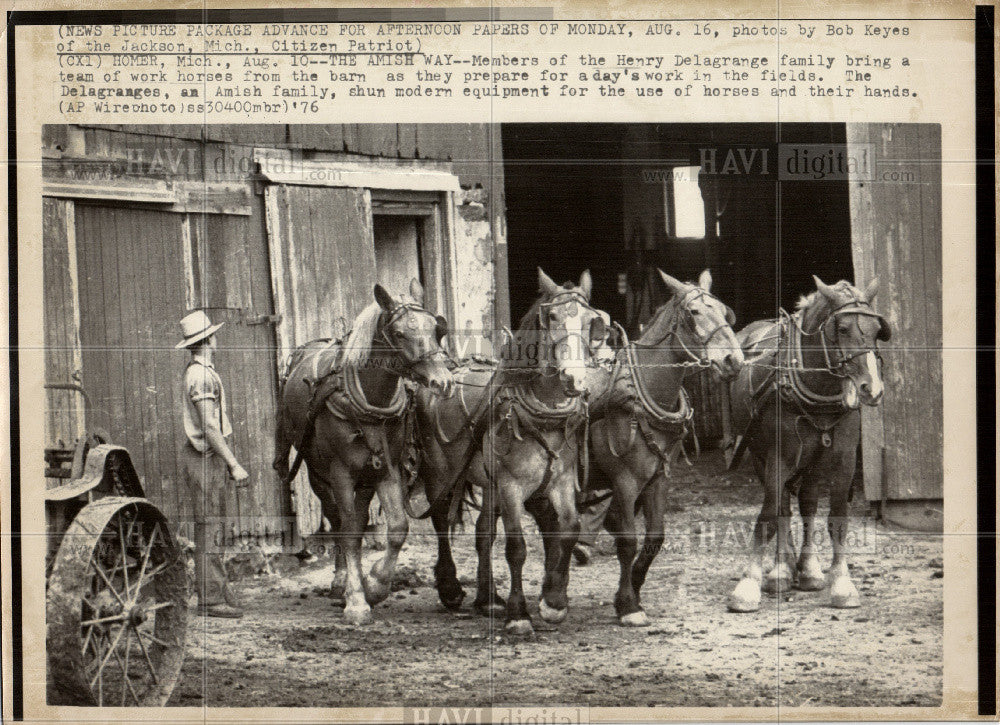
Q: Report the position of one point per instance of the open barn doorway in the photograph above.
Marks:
(608, 197)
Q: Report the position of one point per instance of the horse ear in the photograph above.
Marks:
(871, 290)
(586, 283)
(826, 289)
(705, 280)
(674, 285)
(383, 298)
(417, 291)
(546, 285)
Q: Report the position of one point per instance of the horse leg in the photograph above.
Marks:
(356, 610)
(626, 545)
(654, 504)
(809, 573)
(745, 597)
(843, 593)
(564, 526)
(512, 510)
(488, 602)
(324, 491)
(445, 575)
(779, 579)
(378, 585)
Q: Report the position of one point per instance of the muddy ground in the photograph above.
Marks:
(293, 647)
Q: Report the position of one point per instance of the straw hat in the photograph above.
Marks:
(196, 327)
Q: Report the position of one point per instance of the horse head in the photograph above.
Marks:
(849, 330)
(563, 332)
(702, 325)
(414, 335)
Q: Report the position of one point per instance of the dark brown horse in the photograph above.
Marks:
(516, 431)
(797, 401)
(639, 422)
(343, 405)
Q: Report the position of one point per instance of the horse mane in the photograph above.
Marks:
(358, 345)
(807, 301)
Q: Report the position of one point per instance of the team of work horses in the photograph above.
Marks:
(571, 414)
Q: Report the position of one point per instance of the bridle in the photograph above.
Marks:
(562, 298)
(837, 365)
(687, 318)
(394, 315)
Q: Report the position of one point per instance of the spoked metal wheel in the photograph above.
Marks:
(116, 608)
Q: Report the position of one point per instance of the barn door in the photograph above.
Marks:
(140, 271)
(322, 274)
(132, 294)
(229, 278)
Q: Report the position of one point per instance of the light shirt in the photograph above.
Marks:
(201, 382)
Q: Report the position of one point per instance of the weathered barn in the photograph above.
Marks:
(281, 231)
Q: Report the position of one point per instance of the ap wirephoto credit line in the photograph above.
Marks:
(493, 365)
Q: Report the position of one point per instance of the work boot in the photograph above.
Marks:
(226, 611)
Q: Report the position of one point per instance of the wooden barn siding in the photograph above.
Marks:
(131, 289)
(64, 413)
(897, 238)
(231, 256)
(469, 145)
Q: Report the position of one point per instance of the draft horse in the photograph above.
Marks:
(798, 401)
(516, 431)
(344, 406)
(641, 418)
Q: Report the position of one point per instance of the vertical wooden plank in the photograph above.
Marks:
(378, 139)
(862, 250)
(166, 304)
(406, 140)
(352, 138)
(929, 143)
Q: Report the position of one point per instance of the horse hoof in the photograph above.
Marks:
(489, 609)
(810, 583)
(843, 594)
(550, 614)
(581, 555)
(375, 591)
(745, 597)
(634, 619)
(521, 627)
(358, 616)
(451, 600)
(777, 584)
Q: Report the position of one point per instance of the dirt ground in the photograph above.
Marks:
(293, 648)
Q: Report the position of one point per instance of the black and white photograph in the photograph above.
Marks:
(555, 415)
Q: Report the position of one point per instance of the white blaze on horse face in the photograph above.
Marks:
(876, 386)
(850, 394)
(571, 355)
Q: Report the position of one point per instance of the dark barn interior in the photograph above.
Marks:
(592, 195)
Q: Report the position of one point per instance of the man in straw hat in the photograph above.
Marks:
(207, 461)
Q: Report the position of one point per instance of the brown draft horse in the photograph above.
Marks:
(640, 420)
(343, 405)
(516, 432)
(799, 408)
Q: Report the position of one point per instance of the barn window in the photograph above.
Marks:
(683, 206)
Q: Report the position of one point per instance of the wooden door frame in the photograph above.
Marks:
(407, 187)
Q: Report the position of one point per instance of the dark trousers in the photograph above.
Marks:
(592, 521)
(209, 490)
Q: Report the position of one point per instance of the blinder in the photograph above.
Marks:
(440, 327)
(598, 331)
(730, 316)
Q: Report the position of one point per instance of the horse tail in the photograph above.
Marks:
(282, 447)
